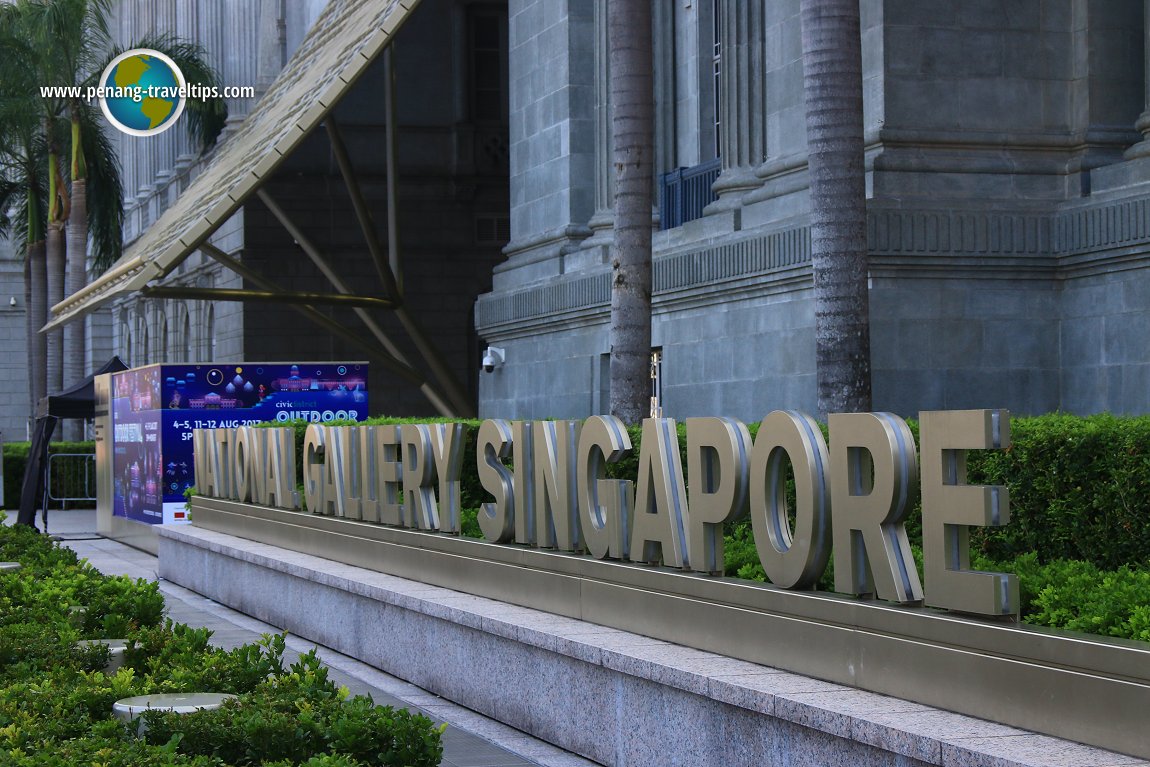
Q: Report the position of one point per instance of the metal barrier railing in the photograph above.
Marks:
(684, 192)
(72, 476)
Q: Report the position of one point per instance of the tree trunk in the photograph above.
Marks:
(55, 294)
(29, 333)
(36, 315)
(632, 124)
(832, 88)
(75, 278)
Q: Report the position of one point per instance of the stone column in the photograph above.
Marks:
(186, 29)
(603, 220)
(741, 100)
(211, 33)
(165, 23)
(663, 19)
(270, 46)
(122, 35)
(212, 23)
(145, 25)
(1142, 148)
(552, 129)
(663, 39)
(242, 39)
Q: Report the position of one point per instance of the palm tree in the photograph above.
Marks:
(55, 254)
(66, 42)
(22, 192)
(74, 37)
(23, 184)
(632, 125)
(832, 88)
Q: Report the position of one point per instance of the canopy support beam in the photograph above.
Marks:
(276, 296)
(426, 349)
(397, 365)
(391, 157)
(389, 268)
(359, 205)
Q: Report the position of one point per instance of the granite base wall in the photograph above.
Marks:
(612, 696)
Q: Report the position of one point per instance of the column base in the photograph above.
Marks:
(730, 187)
(1142, 148)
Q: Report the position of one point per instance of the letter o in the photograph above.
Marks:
(791, 561)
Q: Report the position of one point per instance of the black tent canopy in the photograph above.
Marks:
(80, 400)
(77, 402)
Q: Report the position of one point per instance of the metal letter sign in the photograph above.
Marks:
(417, 465)
(447, 447)
(313, 468)
(604, 504)
(524, 482)
(791, 560)
(389, 473)
(279, 467)
(950, 507)
(496, 519)
(549, 489)
(659, 523)
(873, 478)
(556, 500)
(718, 451)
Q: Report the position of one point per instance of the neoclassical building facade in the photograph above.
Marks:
(1008, 200)
(1008, 182)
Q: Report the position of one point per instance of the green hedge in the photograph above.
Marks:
(1080, 596)
(1079, 489)
(56, 701)
(1079, 536)
(16, 459)
(1079, 486)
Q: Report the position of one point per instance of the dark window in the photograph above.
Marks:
(492, 230)
(487, 40)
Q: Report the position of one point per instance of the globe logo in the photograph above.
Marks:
(142, 92)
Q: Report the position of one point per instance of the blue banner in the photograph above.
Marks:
(155, 409)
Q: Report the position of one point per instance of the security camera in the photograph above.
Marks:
(492, 358)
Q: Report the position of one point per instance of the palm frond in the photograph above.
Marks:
(23, 184)
(73, 35)
(22, 148)
(206, 118)
(105, 194)
(17, 53)
(9, 199)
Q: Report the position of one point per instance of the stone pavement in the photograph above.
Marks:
(471, 740)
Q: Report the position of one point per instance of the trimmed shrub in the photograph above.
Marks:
(1079, 596)
(56, 701)
(15, 456)
(1079, 489)
(297, 716)
(108, 746)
